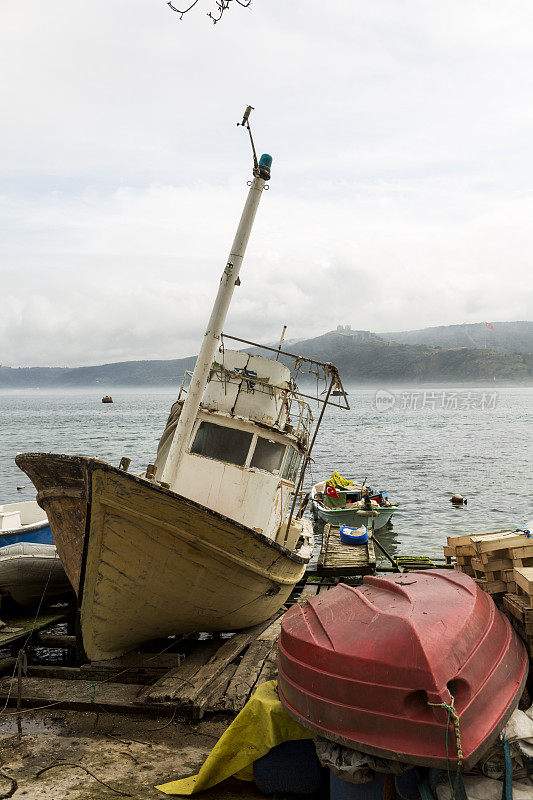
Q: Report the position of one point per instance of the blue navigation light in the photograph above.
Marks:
(265, 162)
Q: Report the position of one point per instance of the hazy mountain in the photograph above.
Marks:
(506, 337)
(123, 373)
(361, 360)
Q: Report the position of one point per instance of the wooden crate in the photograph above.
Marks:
(502, 542)
(491, 587)
(515, 605)
(523, 577)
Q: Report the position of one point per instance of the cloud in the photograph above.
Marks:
(400, 194)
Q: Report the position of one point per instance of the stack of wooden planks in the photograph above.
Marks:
(501, 563)
(491, 559)
(213, 678)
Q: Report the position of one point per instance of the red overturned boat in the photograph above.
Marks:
(369, 667)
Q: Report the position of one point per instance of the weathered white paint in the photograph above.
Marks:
(254, 497)
(159, 565)
(17, 515)
(211, 340)
(253, 395)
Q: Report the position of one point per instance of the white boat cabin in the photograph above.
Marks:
(247, 443)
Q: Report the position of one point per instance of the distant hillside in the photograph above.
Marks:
(378, 360)
(370, 361)
(507, 337)
(124, 373)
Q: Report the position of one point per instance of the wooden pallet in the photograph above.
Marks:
(520, 612)
(524, 583)
(490, 559)
(337, 558)
(218, 673)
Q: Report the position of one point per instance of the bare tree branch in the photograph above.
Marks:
(220, 7)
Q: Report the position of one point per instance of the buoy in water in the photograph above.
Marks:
(458, 500)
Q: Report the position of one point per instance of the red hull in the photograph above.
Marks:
(361, 666)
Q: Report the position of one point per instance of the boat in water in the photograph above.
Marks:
(23, 523)
(29, 572)
(378, 667)
(352, 505)
(210, 537)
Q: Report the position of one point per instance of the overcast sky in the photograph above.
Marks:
(401, 192)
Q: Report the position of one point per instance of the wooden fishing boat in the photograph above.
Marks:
(348, 506)
(24, 522)
(210, 537)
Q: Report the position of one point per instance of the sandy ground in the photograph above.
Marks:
(130, 753)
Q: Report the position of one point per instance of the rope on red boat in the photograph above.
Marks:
(452, 714)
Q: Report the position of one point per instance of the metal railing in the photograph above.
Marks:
(298, 412)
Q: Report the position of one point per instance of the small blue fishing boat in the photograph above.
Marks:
(24, 523)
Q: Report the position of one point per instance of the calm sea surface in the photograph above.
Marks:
(420, 447)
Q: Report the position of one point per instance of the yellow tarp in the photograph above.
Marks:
(262, 724)
(338, 481)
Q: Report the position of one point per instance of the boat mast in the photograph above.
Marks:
(228, 281)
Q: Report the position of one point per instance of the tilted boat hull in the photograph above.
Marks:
(61, 483)
(371, 666)
(156, 564)
(349, 517)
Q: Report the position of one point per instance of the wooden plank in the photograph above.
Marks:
(518, 607)
(525, 629)
(521, 552)
(19, 627)
(247, 673)
(189, 694)
(145, 668)
(75, 694)
(213, 699)
(492, 587)
(457, 541)
(175, 687)
(487, 561)
(524, 580)
(503, 541)
(269, 670)
(337, 559)
(464, 568)
(57, 640)
(523, 562)
(160, 691)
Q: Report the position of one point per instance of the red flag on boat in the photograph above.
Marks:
(331, 491)
(489, 325)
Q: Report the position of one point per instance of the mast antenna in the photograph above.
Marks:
(246, 124)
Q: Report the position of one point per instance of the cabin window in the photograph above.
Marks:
(223, 444)
(292, 463)
(268, 455)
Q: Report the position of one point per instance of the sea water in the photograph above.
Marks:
(420, 445)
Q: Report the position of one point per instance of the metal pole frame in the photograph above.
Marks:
(307, 458)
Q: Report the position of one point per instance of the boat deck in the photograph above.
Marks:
(337, 559)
